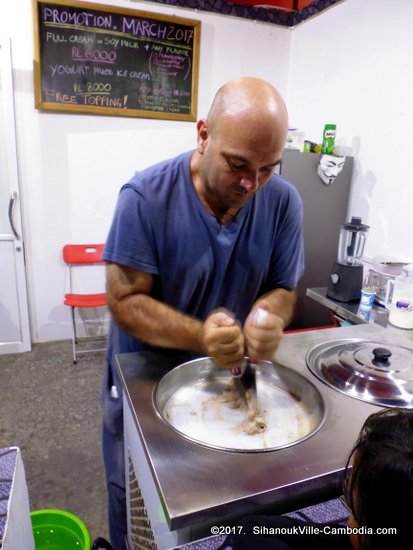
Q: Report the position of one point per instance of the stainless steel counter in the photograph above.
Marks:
(351, 311)
(199, 485)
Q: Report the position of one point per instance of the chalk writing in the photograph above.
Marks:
(58, 97)
(152, 29)
(139, 75)
(81, 18)
(100, 56)
(110, 41)
(102, 101)
(54, 37)
(93, 88)
(59, 70)
(82, 39)
(102, 71)
(129, 44)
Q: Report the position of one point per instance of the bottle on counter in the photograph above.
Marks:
(369, 289)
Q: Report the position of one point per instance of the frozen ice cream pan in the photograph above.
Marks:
(191, 399)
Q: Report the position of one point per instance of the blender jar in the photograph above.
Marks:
(351, 242)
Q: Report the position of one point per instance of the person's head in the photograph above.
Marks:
(241, 141)
(379, 488)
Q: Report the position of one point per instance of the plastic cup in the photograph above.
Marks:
(367, 297)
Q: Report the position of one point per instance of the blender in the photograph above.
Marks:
(346, 278)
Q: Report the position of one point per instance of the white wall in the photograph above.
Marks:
(72, 166)
(353, 66)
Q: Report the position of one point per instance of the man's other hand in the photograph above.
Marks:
(263, 331)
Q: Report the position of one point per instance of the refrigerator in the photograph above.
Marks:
(325, 209)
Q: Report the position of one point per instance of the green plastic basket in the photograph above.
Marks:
(59, 530)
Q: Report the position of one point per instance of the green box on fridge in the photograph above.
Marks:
(329, 138)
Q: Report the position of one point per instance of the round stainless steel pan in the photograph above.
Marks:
(188, 398)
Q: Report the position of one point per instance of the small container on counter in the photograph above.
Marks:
(368, 291)
(295, 139)
(368, 295)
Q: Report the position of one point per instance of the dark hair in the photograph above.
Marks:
(379, 487)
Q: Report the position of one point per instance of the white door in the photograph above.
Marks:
(14, 318)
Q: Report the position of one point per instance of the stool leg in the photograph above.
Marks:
(74, 338)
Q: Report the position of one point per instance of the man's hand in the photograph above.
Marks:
(263, 331)
(223, 339)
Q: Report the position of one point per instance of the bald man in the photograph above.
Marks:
(204, 253)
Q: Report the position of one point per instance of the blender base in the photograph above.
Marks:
(345, 282)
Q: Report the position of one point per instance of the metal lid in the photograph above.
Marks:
(356, 225)
(365, 370)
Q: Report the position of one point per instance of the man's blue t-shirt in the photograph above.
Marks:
(161, 227)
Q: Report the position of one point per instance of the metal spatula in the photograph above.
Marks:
(249, 381)
(239, 386)
(245, 380)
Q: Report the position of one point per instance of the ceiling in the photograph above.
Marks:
(287, 13)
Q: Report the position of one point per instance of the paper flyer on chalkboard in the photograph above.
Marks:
(107, 60)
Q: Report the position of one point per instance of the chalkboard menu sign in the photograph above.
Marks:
(92, 58)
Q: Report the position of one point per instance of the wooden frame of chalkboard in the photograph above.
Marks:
(93, 58)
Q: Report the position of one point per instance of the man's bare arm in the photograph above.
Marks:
(144, 317)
